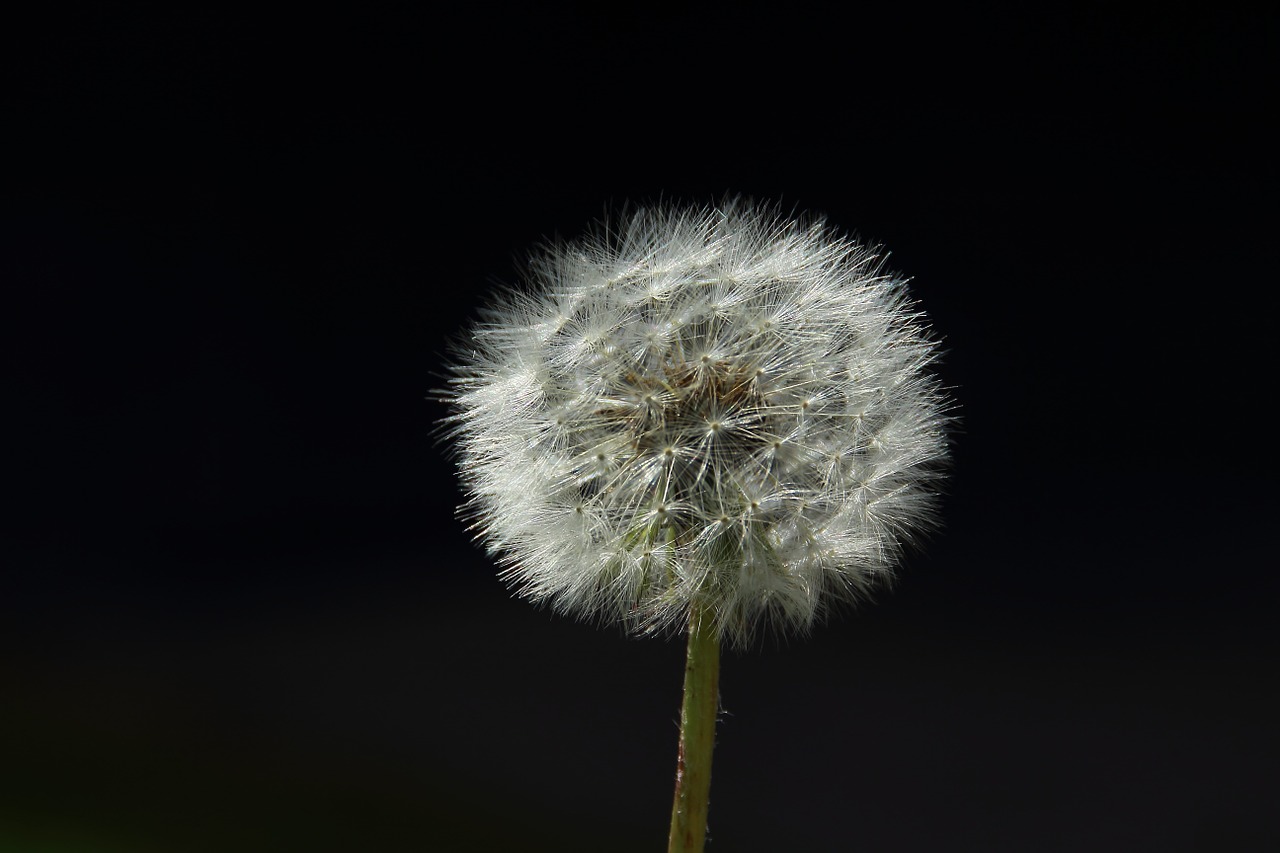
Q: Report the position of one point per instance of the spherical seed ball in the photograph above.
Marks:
(719, 406)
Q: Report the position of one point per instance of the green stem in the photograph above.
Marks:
(697, 735)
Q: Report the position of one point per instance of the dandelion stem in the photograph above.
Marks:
(697, 735)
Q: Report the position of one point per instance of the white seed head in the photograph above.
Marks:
(720, 406)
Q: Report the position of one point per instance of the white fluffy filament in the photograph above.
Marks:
(720, 405)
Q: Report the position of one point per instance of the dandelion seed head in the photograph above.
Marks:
(723, 407)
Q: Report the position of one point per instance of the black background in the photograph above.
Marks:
(238, 611)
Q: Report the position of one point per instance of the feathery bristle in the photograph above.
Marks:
(722, 405)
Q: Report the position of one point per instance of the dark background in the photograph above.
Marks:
(236, 609)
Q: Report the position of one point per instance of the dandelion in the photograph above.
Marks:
(719, 418)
